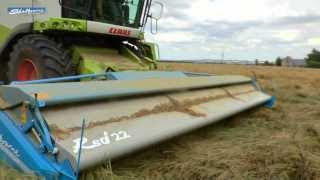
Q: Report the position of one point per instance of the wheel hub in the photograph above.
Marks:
(27, 71)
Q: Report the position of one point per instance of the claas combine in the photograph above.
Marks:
(81, 86)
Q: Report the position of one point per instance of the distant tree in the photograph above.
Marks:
(313, 59)
(278, 61)
(256, 62)
(266, 63)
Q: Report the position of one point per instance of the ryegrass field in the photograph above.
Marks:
(279, 143)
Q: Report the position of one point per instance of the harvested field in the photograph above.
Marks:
(279, 143)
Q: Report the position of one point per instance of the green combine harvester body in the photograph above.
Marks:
(82, 86)
(92, 38)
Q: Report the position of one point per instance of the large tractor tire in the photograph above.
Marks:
(37, 57)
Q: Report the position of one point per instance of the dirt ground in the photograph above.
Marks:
(279, 143)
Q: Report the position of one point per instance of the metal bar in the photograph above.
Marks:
(42, 128)
(91, 91)
(60, 79)
(198, 74)
(80, 148)
(125, 75)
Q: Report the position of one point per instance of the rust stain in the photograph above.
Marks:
(187, 107)
(233, 96)
(60, 133)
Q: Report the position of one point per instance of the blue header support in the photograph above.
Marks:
(80, 149)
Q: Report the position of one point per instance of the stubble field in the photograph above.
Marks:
(278, 143)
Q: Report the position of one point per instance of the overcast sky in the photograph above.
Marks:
(243, 29)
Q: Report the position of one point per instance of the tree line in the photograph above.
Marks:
(312, 59)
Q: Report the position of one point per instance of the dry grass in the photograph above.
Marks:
(12, 174)
(279, 143)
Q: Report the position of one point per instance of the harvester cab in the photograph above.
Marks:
(123, 13)
(72, 61)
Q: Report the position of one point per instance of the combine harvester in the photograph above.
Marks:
(71, 101)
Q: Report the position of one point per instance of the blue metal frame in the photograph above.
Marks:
(25, 156)
(42, 128)
(80, 149)
(269, 104)
(124, 75)
(60, 79)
